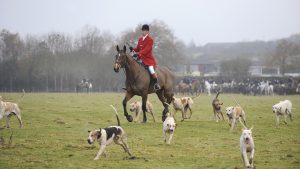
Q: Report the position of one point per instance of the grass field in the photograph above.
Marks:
(56, 125)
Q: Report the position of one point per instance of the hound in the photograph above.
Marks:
(283, 108)
(136, 107)
(183, 104)
(247, 145)
(7, 109)
(169, 126)
(105, 136)
(216, 104)
(235, 113)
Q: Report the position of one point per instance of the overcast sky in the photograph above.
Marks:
(201, 21)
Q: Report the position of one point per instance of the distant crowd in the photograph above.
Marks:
(247, 85)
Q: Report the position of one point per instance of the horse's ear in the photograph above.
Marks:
(124, 49)
(118, 48)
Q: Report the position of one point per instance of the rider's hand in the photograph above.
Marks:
(131, 48)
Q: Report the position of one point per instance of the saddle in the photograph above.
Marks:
(140, 62)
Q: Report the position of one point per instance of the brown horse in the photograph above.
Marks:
(138, 82)
(195, 87)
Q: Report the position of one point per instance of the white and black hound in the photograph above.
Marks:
(105, 136)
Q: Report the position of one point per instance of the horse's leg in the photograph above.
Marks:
(126, 98)
(144, 108)
(160, 95)
(167, 96)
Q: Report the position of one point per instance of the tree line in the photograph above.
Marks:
(56, 62)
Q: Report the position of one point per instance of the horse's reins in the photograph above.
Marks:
(126, 63)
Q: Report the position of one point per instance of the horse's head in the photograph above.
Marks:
(120, 59)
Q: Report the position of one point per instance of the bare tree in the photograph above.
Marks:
(167, 49)
(283, 51)
(10, 54)
(238, 67)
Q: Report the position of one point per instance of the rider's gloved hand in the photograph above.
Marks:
(135, 55)
(130, 48)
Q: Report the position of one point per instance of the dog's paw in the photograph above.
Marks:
(96, 158)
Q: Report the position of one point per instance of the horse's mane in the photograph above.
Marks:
(130, 58)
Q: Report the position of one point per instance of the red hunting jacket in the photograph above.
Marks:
(145, 51)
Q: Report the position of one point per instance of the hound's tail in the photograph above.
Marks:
(194, 97)
(217, 94)
(119, 124)
(169, 107)
(22, 96)
(243, 123)
(167, 104)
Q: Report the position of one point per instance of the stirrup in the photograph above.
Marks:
(156, 87)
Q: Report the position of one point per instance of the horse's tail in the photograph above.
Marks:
(118, 120)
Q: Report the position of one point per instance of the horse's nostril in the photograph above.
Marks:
(116, 67)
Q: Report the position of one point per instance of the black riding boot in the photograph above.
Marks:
(155, 82)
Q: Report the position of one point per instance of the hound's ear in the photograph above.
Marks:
(117, 47)
(251, 128)
(99, 134)
(124, 49)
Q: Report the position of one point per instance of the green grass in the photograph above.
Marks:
(56, 125)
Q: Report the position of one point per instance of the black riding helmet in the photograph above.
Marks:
(145, 27)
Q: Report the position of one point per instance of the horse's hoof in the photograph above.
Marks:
(129, 118)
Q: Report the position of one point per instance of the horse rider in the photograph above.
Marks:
(143, 51)
(83, 80)
(187, 80)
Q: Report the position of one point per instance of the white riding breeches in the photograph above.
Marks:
(151, 70)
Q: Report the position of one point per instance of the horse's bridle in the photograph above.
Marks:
(118, 61)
